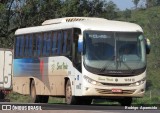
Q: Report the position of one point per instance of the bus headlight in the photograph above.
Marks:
(89, 80)
(138, 83)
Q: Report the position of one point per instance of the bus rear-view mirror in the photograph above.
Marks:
(148, 46)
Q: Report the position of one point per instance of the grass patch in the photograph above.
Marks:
(145, 100)
(55, 100)
(15, 97)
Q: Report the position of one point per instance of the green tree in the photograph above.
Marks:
(157, 2)
(24, 13)
(136, 3)
(110, 10)
(127, 14)
(6, 30)
(150, 3)
(91, 8)
(96, 8)
(50, 9)
(70, 8)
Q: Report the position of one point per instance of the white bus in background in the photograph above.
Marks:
(5, 72)
(81, 58)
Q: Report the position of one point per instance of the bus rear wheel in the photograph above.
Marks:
(43, 99)
(2, 95)
(34, 97)
(68, 91)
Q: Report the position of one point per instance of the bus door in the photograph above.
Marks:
(77, 63)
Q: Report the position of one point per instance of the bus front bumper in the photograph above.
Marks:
(137, 91)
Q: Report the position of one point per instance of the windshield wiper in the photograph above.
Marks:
(120, 61)
(106, 65)
(129, 68)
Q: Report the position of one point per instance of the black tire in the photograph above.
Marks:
(2, 95)
(68, 94)
(127, 101)
(85, 101)
(33, 95)
(43, 99)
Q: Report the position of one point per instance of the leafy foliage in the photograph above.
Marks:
(127, 14)
(136, 2)
(24, 13)
(151, 3)
(148, 19)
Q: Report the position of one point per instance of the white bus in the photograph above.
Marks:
(80, 58)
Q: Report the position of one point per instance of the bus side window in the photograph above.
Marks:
(59, 42)
(21, 46)
(68, 43)
(76, 56)
(34, 45)
(26, 46)
(39, 43)
(17, 46)
(54, 43)
(64, 46)
(45, 42)
(48, 49)
(30, 45)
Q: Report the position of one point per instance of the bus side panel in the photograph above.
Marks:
(78, 83)
(24, 69)
(48, 73)
(56, 74)
(21, 85)
(60, 68)
(8, 70)
(1, 68)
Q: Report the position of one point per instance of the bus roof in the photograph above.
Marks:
(84, 23)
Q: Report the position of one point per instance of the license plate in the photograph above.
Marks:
(116, 90)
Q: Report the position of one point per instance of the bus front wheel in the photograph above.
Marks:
(68, 91)
(34, 97)
(43, 98)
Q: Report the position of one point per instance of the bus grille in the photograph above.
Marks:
(110, 84)
(108, 91)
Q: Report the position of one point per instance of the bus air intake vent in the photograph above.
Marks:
(110, 84)
(74, 19)
(108, 91)
(63, 20)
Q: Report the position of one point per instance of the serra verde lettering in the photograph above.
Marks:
(62, 66)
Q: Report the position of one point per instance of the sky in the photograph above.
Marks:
(123, 4)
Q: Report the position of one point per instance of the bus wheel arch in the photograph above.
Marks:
(69, 98)
(33, 95)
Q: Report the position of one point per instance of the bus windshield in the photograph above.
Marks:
(114, 50)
